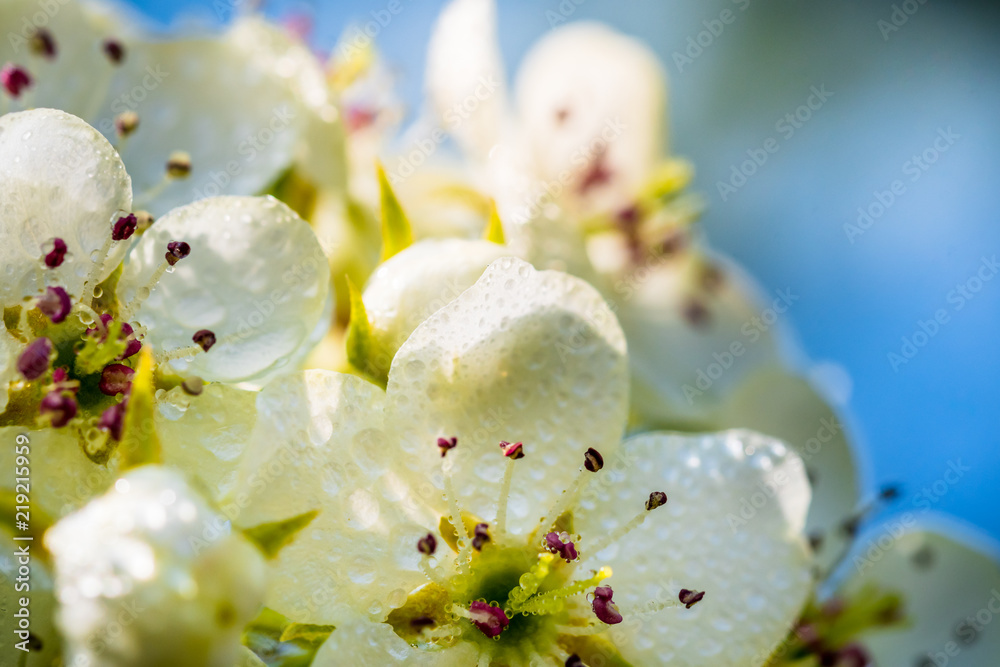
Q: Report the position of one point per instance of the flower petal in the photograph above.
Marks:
(62, 477)
(522, 355)
(784, 406)
(412, 285)
(319, 445)
(684, 367)
(587, 91)
(256, 277)
(206, 435)
(59, 178)
(10, 348)
(950, 587)
(42, 606)
(731, 527)
(465, 76)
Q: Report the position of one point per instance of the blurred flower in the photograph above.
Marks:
(244, 106)
(149, 574)
(534, 358)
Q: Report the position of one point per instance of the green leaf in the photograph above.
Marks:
(140, 444)
(362, 352)
(494, 230)
(265, 636)
(273, 537)
(397, 234)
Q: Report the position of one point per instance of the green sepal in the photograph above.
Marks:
(397, 234)
(494, 229)
(271, 538)
(265, 636)
(140, 444)
(362, 348)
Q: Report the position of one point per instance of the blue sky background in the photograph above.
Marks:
(894, 91)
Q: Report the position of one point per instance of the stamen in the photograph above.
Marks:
(490, 620)
(513, 453)
(34, 361)
(604, 607)
(126, 123)
(42, 44)
(690, 598)
(696, 313)
(554, 601)
(14, 79)
(113, 420)
(55, 304)
(176, 251)
(446, 445)
(179, 165)
(574, 661)
(193, 386)
(54, 258)
(124, 227)
(559, 543)
(427, 545)
(592, 463)
(480, 536)
(116, 379)
(145, 220)
(114, 50)
(58, 407)
(462, 535)
(204, 339)
(656, 499)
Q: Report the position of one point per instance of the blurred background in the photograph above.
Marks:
(879, 208)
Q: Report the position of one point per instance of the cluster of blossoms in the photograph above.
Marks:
(289, 405)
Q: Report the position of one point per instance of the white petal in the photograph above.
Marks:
(683, 371)
(412, 285)
(731, 527)
(205, 436)
(584, 89)
(62, 477)
(522, 355)
(58, 178)
(465, 76)
(950, 586)
(784, 406)
(319, 445)
(256, 277)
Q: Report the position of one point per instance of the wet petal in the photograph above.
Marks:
(256, 277)
(412, 285)
(787, 407)
(523, 356)
(950, 584)
(732, 527)
(59, 178)
(206, 435)
(319, 445)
